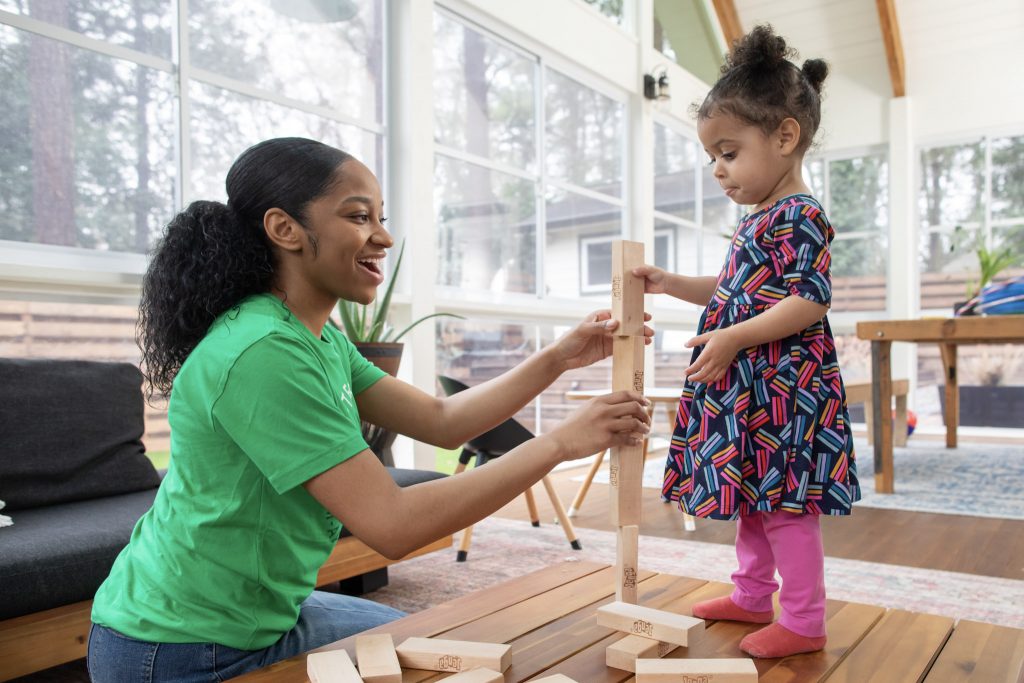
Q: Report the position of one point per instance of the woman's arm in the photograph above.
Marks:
(394, 521)
(696, 290)
(451, 421)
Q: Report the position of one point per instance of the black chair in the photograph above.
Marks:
(493, 444)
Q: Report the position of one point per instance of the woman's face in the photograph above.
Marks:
(346, 237)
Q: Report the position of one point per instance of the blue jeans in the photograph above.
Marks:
(323, 618)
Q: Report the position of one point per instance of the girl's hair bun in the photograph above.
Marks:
(759, 49)
(815, 70)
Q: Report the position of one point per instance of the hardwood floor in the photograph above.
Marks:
(971, 545)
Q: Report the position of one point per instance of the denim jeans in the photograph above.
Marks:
(323, 618)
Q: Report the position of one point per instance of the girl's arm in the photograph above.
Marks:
(394, 521)
(696, 290)
(450, 422)
(791, 315)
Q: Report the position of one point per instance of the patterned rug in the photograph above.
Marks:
(503, 549)
(989, 479)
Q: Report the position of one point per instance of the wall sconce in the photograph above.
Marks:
(656, 85)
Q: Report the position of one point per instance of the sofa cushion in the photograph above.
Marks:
(59, 555)
(72, 430)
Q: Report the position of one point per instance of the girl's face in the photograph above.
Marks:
(749, 165)
(346, 238)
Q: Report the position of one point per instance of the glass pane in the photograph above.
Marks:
(1011, 238)
(584, 135)
(685, 33)
(949, 268)
(486, 228)
(484, 95)
(81, 331)
(323, 52)
(554, 406)
(671, 358)
(1008, 178)
(473, 351)
(675, 164)
(952, 185)
(721, 214)
(714, 248)
(224, 124)
(613, 9)
(814, 175)
(86, 147)
(143, 25)
(859, 190)
(683, 257)
(571, 219)
(859, 274)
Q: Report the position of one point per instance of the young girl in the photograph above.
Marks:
(762, 433)
(267, 459)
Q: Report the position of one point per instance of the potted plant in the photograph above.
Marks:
(991, 262)
(373, 335)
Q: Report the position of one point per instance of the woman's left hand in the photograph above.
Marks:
(591, 340)
(720, 350)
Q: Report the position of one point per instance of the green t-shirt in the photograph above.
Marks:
(233, 542)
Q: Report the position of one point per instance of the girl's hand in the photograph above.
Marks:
(655, 279)
(720, 349)
(616, 419)
(591, 340)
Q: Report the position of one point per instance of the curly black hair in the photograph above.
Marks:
(760, 86)
(214, 255)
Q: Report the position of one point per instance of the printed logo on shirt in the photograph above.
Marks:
(346, 395)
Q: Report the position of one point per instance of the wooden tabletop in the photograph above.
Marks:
(964, 330)
(549, 618)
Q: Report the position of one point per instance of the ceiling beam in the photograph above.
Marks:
(893, 45)
(729, 20)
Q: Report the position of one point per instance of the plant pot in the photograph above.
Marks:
(988, 406)
(387, 357)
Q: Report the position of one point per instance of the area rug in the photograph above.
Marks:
(979, 480)
(503, 549)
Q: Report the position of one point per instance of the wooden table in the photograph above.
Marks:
(549, 619)
(948, 333)
(667, 396)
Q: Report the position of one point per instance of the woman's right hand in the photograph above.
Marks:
(616, 419)
(655, 279)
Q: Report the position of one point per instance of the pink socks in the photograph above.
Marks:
(725, 608)
(778, 641)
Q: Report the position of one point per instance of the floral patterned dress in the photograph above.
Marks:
(774, 432)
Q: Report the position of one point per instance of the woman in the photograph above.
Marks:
(267, 460)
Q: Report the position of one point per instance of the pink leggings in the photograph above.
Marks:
(791, 543)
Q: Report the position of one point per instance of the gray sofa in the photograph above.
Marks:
(75, 478)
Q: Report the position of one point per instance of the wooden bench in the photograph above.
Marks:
(45, 639)
(861, 393)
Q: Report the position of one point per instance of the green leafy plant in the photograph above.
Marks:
(991, 262)
(369, 324)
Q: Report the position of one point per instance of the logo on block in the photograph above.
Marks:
(449, 663)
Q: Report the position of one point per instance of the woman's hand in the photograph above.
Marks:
(720, 349)
(591, 340)
(616, 419)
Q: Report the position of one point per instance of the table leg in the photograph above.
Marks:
(585, 486)
(881, 402)
(952, 393)
(901, 420)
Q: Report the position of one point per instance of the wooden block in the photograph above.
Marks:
(625, 476)
(650, 623)
(477, 676)
(628, 363)
(623, 654)
(627, 552)
(437, 654)
(704, 670)
(557, 678)
(331, 667)
(627, 289)
(377, 660)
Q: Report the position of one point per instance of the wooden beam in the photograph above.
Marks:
(729, 20)
(893, 45)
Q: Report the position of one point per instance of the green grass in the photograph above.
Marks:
(159, 458)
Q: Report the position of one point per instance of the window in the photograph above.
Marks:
(971, 196)
(686, 34)
(613, 9)
(528, 165)
(596, 259)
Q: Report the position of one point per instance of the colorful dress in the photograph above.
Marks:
(774, 432)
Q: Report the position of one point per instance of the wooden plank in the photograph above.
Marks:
(459, 611)
(352, 557)
(627, 565)
(625, 481)
(893, 45)
(651, 623)
(729, 20)
(331, 667)
(377, 659)
(38, 641)
(728, 670)
(968, 330)
(861, 391)
(901, 647)
(481, 675)
(628, 363)
(881, 400)
(446, 654)
(980, 653)
(623, 654)
(627, 289)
